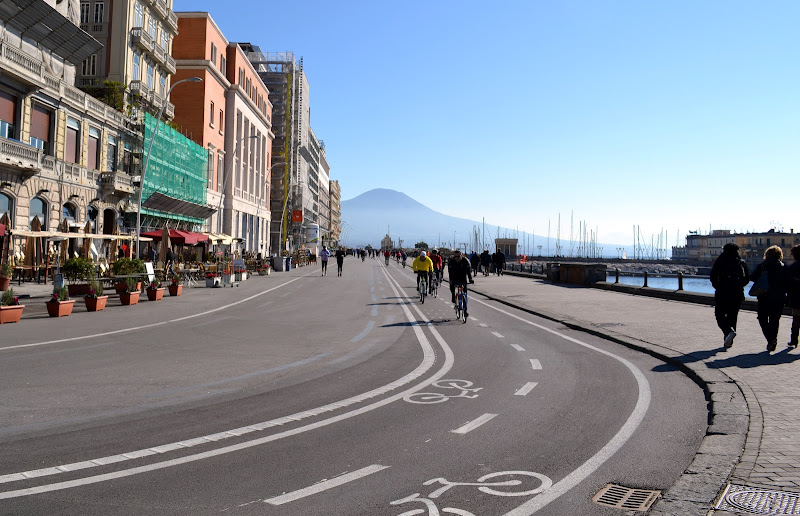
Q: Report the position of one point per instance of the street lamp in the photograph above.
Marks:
(147, 159)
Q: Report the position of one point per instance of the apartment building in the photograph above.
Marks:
(707, 248)
(65, 157)
(336, 211)
(232, 119)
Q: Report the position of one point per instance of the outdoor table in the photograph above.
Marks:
(21, 270)
(189, 276)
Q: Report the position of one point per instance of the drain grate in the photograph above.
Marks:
(621, 497)
(759, 501)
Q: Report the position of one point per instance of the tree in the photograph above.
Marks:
(421, 245)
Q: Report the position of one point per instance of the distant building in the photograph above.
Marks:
(336, 210)
(507, 245)
(387, 242)
(706, 248)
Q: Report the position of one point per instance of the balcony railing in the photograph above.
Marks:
(161, 8)
(24, 158)
(18, 63)
(169, 110)
(172, 21)
(140, 88)
(141, 39)
(159, 54)
(170, 64)
(116, 182)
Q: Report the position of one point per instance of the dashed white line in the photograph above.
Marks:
(483, 325)
(536, 364)
(472, 425)
(528, 387)
(497, 335)
(324, 486)
(518, 347)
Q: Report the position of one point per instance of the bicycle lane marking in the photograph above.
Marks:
(606, 452)
(427, 362)
(153, 325)
(325, 485)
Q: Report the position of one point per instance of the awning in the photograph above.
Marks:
(2, 229)
(219, 238)
(177, 236)
(38, 21)
(164, 203)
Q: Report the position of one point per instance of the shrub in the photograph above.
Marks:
(78, 269)
(60, 294)
(8, 298)
(6, 270)
(125, 266)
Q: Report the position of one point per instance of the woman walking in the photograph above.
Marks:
(794, 295)
(770, 302)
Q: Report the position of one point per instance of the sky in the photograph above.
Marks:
(669, 116)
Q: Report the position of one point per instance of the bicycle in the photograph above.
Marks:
(435, 285)
(461, 302)
(422, 286)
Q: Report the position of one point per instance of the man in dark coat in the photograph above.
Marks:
(793, 274)
(729, 276)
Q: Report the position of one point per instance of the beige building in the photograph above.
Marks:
(336, 210)
(706, 248)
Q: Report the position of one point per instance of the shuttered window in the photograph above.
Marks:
(73, 139)
(40, 127)
(8, 111)
(93, 158)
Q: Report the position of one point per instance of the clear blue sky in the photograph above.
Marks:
(671, 115)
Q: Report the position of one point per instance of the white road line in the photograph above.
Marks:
(536, 364)
(497, 335)
(518, 347)
(528, 387)
(472, 425)
(483, 325)
(324, 486)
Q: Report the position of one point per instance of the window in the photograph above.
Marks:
(138, 16)
(38, 209)
(40, 128)
(93, 157)
(5, 206)
(92, 213)
(211, 114)
(211, 162)
(111, 154)
(72, 150)
(221, 169)
(223, 65)
(150, 76)
(90, 65)
(164, 40)
(8, 114)
(69, 212)
(98, 12)
(137, 73)
(221, 121)
(214, 54)
(151, 28)
(84, 12)
(163, 81)
(241, 77)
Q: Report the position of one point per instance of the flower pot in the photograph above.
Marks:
(78, 289)
(155, 294)
(120, 287)
(10, 314)
(262, 272)
(4, 283)
(213, 282)
(129, 298)
(95, 304)
(175, 290)
(60, 308)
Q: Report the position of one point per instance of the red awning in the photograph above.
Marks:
(2, 230)
(179, 237)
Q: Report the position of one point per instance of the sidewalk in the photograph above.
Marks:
(751, 438)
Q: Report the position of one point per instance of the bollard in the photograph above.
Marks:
(645, 278)
(680, 281)
(616, 275)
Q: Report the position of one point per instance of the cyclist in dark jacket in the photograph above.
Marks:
(729, 276)
(794, 294)
(459, 272)
(770, 303)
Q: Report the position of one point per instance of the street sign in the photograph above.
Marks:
(297, 215)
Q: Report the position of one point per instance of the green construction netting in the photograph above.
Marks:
(177, 167)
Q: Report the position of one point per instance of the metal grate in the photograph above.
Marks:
(621, 497)
(759, 501)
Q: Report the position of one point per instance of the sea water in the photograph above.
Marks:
(700, 284)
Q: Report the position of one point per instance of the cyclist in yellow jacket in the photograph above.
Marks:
(423, 265)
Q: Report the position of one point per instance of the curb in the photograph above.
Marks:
(727, 438)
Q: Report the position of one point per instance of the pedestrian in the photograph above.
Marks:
(729, 276)
(486, 262)
(793, 276)
(339, 260)
(771, 301)
(323, 258)
(499, 262)
(475, 262)
(169, 261)
(121, 252)
(151, 254)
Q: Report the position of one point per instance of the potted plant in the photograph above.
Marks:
(60, 305)
(78, 272)
(126, 267)
(10, 309)
(6, 271)
(175, 287)
(130, 292)
(95, 300)
(155, 292)
(212, 279)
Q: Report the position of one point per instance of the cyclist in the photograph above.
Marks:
(422, 265)
(460, 272)
(404, 257)
(387, 254)
(436, 258)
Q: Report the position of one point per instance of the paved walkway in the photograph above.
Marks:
(754, 435)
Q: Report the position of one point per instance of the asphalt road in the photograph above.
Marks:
(297, 394)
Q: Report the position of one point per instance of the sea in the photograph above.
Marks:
(690, 283)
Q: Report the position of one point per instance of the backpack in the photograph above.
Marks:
(733, 277)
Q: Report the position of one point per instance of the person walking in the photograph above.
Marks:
(339, 261)
(499, 262)
(793, 277)
(323, 258)
(486, 262)
(169, 261)
(729, 276)
(771, 301)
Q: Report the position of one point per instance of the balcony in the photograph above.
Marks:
(156, 99)
(140, 88)
(21, 157)
(159, 54)
(141, 39)
(170, 65)
(169, 110)
(118, 183)
(161, 8)
(20, 65)
(172, 22)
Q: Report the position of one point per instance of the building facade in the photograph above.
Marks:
(336, 211)
(706, 248)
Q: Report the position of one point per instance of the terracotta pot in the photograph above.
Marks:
(4, 283)
(10, 314)
(175, 290)
(120, 287)
(155, 294)
(95, 304)
(78, 289)
(130, 298)
(60, 308)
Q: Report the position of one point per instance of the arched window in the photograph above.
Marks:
(38, 209)
(70, 213)
(91, 214)
(5, 207)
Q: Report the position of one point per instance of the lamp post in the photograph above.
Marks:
(147, 159)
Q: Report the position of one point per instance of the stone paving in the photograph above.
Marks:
(754, 436)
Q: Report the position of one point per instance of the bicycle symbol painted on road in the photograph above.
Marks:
(499, 487)
(427, 398)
